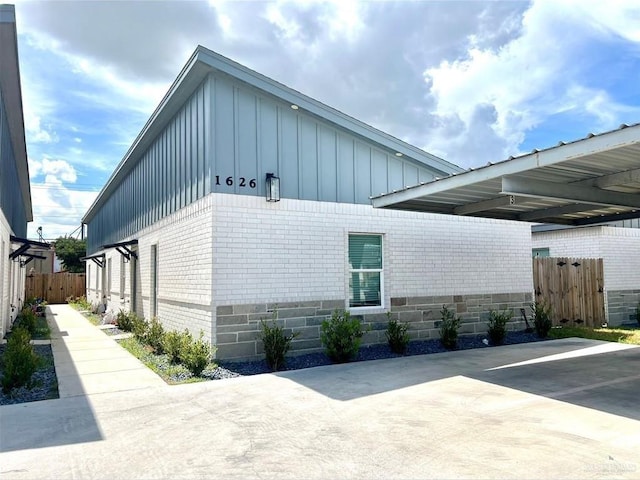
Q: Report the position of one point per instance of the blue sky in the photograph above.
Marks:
(471, 82)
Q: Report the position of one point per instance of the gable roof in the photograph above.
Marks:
(587, 181)
(203, 62)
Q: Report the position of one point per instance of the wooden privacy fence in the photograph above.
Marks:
(55, 287)
(574, 287)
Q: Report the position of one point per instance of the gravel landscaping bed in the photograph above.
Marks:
(45, 384)
(377, 352)
(44, 380)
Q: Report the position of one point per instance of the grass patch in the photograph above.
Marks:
(92, 317)
(173, 374)
(630, 335)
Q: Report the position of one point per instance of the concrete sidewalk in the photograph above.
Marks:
(88, 361)
(563, 409)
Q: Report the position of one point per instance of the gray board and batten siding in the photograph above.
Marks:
(15, 191)
(222, 127)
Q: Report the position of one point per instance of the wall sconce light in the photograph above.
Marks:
(273, 188)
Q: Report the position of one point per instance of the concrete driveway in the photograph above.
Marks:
(558, 409)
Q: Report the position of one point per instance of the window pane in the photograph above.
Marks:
(364, 289)
(365, 251)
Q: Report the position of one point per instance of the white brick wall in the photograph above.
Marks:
(184, 271)
(12, 280)
(618, 247)
(296, 250)
(5, 266)
(232, 249)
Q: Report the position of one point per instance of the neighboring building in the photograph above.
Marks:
(618, 245)
(183, 230)
(15, 193)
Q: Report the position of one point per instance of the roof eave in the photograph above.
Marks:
(544, 158)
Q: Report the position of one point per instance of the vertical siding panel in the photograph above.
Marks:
(207, 129)
(288, 155)
(395, 172)
(224, 136)
(188, 159)
(236, 140)
(195, 170)
(268, 140)
(327, 160)
(181, 161)
(409, 175)
(308, 159)
(378, 172)
(246, 141)
(346, 179)
(363, 169)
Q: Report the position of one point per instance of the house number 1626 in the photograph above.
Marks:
(229, 181)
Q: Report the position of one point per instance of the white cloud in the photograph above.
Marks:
(533, 76)
(56, 171)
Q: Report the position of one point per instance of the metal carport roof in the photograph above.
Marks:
(592, 180)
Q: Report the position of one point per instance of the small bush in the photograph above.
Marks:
(397, 335)
(541, 318)
(276, 343)
(19, 360)
(155, 335)
(139, 327)
(449, 328)
(124, 321)
(27, 320)
(341, 336)
(81, 303)
(498, 326)
(174, 343)
(195, 354)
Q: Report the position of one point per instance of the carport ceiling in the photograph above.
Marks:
(593, 180)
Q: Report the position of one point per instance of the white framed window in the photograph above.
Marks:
(366, 271)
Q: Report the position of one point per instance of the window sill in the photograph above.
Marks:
(367, 310)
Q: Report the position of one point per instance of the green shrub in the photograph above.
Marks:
(341, 336)
(81, 303)
(139, 327)
(541, 318)
(397, 335)
(195, 354)
(498, 326)
(276, 343)
(27, 320)
(155, 335)
(449, 326)
(19, 360)
(124, 321)
(173, 343)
